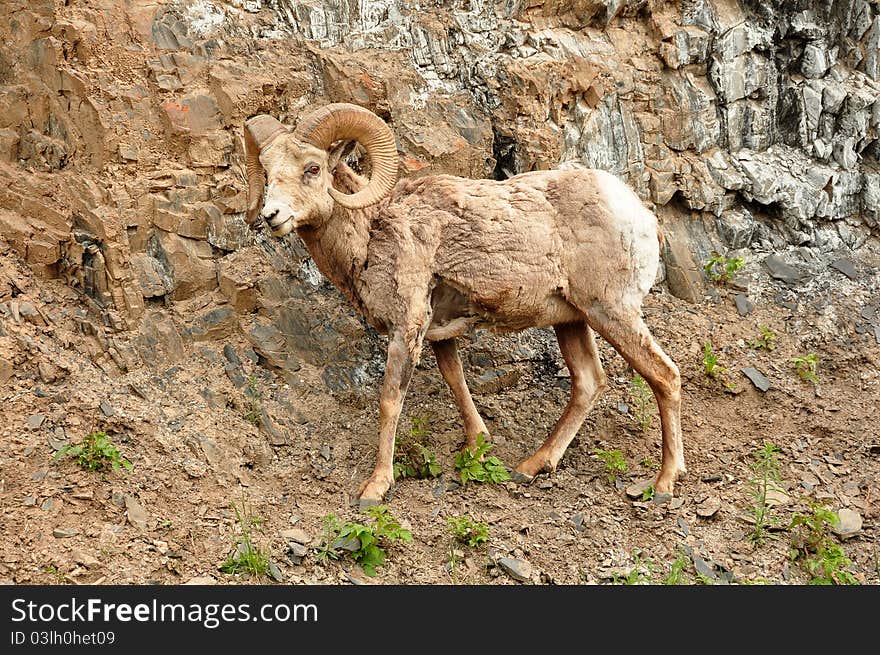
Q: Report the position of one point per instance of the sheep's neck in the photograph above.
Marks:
(339, 246)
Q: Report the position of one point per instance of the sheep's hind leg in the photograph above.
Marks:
(629, 336)
(578, 346)
(449, 363)
(399, 367)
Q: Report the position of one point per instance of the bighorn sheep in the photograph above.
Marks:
(433, 257)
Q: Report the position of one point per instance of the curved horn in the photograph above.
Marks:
(258, 132)
(342, 120)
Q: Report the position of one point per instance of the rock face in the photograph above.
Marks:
(121, 154)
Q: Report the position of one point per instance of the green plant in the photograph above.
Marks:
(806, 367)
(253, 412)
(412, 458)
(55, 573)
(766, 479)
(676, 573)
(815, 549)
(767, 340)
(246, 557)
(637, 575)
(614, 462)
(369, 541)
(721, 269)
(649, 463)
(710, 362)
(648, 493)
(95, 453)
(468, 532)
(642, 400)
(472, 464)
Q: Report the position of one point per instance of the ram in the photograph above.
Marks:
(435, 257)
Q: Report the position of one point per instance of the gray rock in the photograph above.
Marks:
(736, 227)
(782, 271)
(297, 550)
(636, 489)
(297, 535)
(137, 515)
(277, 436)
(761, 381)
(850, 523)
(709, 507)
(64, 533)
(517, 569)
(846, 267)
(107, 409)
(275, 573)
(744, 306)
(349, 544)
(35, 421)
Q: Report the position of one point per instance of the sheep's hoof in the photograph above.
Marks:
(530, 468)
(521, 478)
(372, 492)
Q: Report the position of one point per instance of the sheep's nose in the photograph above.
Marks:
(268, 217)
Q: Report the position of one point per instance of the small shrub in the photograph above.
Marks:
(247, 557)
(676, 573)
(642, 400)
(468, 532)
(95, 453)
(767, 340)
(614, 462)
(640, 574)
(371, 540)
(806, 367)
(816, 550)
(720, 269)
(710, 362)
(766, 478)
(472, 464)
(412, 458)
(253, 403)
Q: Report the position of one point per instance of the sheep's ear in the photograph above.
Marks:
(339, 152)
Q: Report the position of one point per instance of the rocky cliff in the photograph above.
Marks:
(746, 125)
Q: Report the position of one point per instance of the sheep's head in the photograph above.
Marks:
(298, 165)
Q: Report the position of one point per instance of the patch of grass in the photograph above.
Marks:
(806, 367)
(253, 403)
(95, 453)
(468, 532)
(640, 574)
(247, 557)
(814, 548)
(642, 400)
(721, 269)
(766, 478)
(614, 462)
(55, 573)
(710, 362)
(370, 541)
(412, 458)
(649, 463)
(676, 573)
(473, 465)
(767, 340)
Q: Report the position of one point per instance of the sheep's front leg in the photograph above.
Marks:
(449, 363)
(398, 371)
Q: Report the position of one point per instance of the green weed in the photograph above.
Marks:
(247, 557)
(767, 340)
(710, 362)
(806, 367)
(412, 458)
(642, 400)
(472, 464)
(720, 269)
(370, 540)
(95, 453)
(614, 462)
(468, 532)
(813, 547)
(766, 478)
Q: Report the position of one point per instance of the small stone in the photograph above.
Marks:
(683, 526)
(29, 501)
(661, 497)
(850, 523)
(107, 409)
(48, 505)
(776, 497)
(118, 498)
(623, 408)
(57, 440)
(195, 468)
(63, 533)
(545, 484)
(846, 267)
(676, 502)
(782, 271)
(82, 557)
(577, 520)
(297, 550)
(709, 507)
(517, 569)
(201, 580)
(636, 489)
(761, 381)
(275, 572)
(744, 306)
(137, 515)
(297, 535)
(350, 544)
(35, 420)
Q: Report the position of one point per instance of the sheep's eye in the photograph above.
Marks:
(313, 169)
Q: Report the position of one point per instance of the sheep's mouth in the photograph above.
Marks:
(280, 225)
